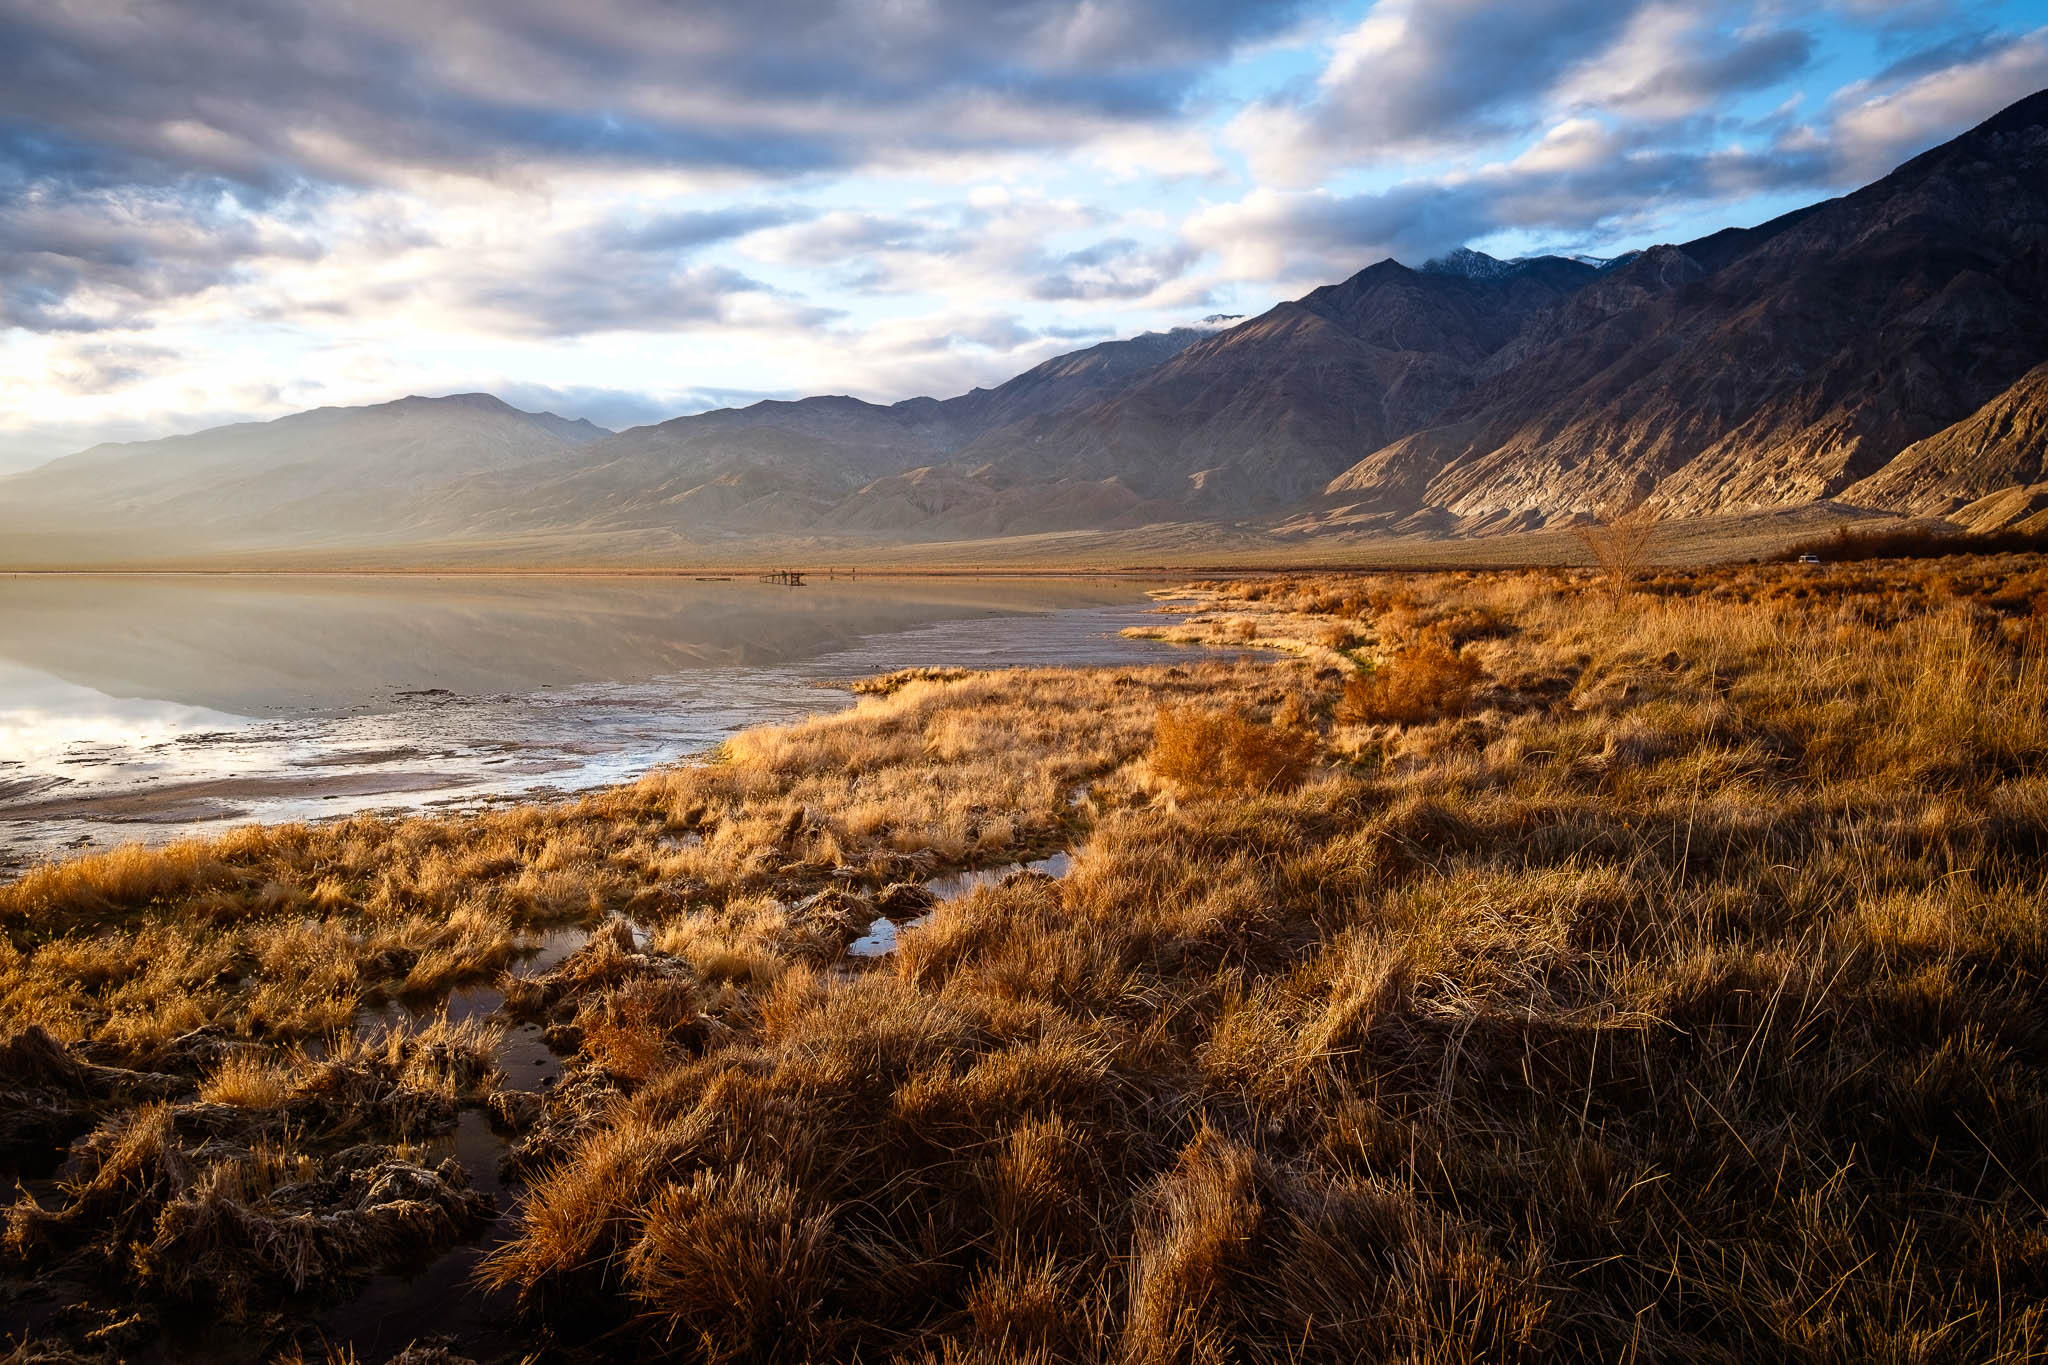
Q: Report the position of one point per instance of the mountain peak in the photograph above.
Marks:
(1468, 264)
(2031, 112)
(485, 402)
(575, 430)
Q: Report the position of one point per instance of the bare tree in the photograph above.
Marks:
(1619, 538)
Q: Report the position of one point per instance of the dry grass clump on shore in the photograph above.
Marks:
(1427, 681)
(1657, 978)
(1201, 750)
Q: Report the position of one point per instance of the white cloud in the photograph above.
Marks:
(1673, 61)
(1149, 153)
(1871, 132)
(1417, 78)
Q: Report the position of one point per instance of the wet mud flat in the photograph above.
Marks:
(205, 799)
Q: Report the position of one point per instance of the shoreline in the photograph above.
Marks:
(1172, 550)
(712, 574)
(436, 749)
(1384, 986)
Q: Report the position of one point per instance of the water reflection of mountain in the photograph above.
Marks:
(266, 645)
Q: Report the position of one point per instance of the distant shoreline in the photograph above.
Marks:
(1167, 550)
(694, 575)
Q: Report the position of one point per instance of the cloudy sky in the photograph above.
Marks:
(213, 210)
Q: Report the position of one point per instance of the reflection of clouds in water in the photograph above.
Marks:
(42, 715)
(443, 748)
(287, 647)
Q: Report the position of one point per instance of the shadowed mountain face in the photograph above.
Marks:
(1755, 369)
(1257, 418)
(1885, 349)
(2003, 444)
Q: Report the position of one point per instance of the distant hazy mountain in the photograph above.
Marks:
(320, 473)
(1888, 349)
(778, 467)
(427, 469)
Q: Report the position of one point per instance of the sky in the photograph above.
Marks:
(626, 210)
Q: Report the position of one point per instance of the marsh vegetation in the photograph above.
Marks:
(1503, 968)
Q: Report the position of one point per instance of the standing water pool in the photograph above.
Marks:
(151, 707)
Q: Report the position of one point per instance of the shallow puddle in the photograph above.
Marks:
(555, 946)
(879, 939)
(522, 1053)
(882, 935)
(960, 883)
(442, 1298)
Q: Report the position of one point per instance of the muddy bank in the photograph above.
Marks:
(222, 1202)
(187, 803)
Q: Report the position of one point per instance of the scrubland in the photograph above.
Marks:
(1493, 967)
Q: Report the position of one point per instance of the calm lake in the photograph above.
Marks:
(152, 707)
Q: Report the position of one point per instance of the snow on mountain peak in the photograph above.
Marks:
(1472, 265)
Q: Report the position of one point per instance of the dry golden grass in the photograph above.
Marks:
(1427, 681)
(1655, 983)
(1227, 751)
(1662, 1003)
(247, 1081)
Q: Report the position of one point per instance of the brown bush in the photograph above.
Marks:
(1428, 682)
(1228, 751)
(1619, 540)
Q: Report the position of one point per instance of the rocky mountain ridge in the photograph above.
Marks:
(1775, 367)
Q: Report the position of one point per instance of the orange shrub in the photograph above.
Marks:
(1426, 682)
(1221, 751)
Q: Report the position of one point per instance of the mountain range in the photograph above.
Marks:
(1886, 351)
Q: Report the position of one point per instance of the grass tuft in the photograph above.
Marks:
(1203, 751)
(1427, 681)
